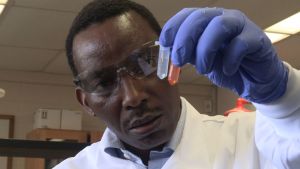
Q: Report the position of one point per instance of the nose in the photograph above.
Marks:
(134, 92)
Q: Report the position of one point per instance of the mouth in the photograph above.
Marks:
(144, 125)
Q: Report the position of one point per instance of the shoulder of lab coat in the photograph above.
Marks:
(216, 142)
(94, 157)
(277, 128)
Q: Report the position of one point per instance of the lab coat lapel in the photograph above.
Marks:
(192, 150)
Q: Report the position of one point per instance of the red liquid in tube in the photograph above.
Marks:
(173, 75)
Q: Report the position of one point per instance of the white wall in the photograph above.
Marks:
(202, 97)
(26, 92)
(23, 98)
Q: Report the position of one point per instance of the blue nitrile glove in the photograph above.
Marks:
(229, 49)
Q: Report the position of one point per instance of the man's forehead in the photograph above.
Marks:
(111, 41)
(102, 49)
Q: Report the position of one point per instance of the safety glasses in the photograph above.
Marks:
(140, 64)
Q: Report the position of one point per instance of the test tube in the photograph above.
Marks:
(163, 61)
(173, 74)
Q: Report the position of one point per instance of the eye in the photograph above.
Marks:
(101, 82)
(151, 60)
(152, 55)
(105, 83)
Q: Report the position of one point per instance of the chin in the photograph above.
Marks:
(151, 146)
(153, 141)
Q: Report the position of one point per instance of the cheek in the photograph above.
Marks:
(108, 110)
(168, 95)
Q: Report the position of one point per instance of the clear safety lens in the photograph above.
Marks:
(140, 64)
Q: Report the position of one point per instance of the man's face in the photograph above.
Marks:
(143, 112)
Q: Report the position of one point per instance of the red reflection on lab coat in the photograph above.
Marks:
(240, 103)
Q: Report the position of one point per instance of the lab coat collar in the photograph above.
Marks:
(196, 157)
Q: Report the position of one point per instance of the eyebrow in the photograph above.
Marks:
(83, 75)
(104, 70)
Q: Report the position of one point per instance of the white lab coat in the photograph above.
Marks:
(239, 141)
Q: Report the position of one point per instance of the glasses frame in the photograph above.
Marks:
(120, 68)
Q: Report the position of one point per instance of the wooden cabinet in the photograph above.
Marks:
(95, 136)
(53, 135)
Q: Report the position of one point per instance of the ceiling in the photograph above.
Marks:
(32, 32)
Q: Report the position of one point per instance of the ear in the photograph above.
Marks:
(82, 99)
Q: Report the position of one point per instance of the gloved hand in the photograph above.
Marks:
(229, 49)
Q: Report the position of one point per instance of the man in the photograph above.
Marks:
(149, 125)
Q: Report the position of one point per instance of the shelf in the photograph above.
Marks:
(42, 149)
(49, 134)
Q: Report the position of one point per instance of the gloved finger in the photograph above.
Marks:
(169, 31)
(189, 32)
(249, 41)
(215, 37)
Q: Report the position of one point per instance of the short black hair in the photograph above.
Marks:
(98, 11)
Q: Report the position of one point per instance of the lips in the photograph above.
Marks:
(144, 125)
